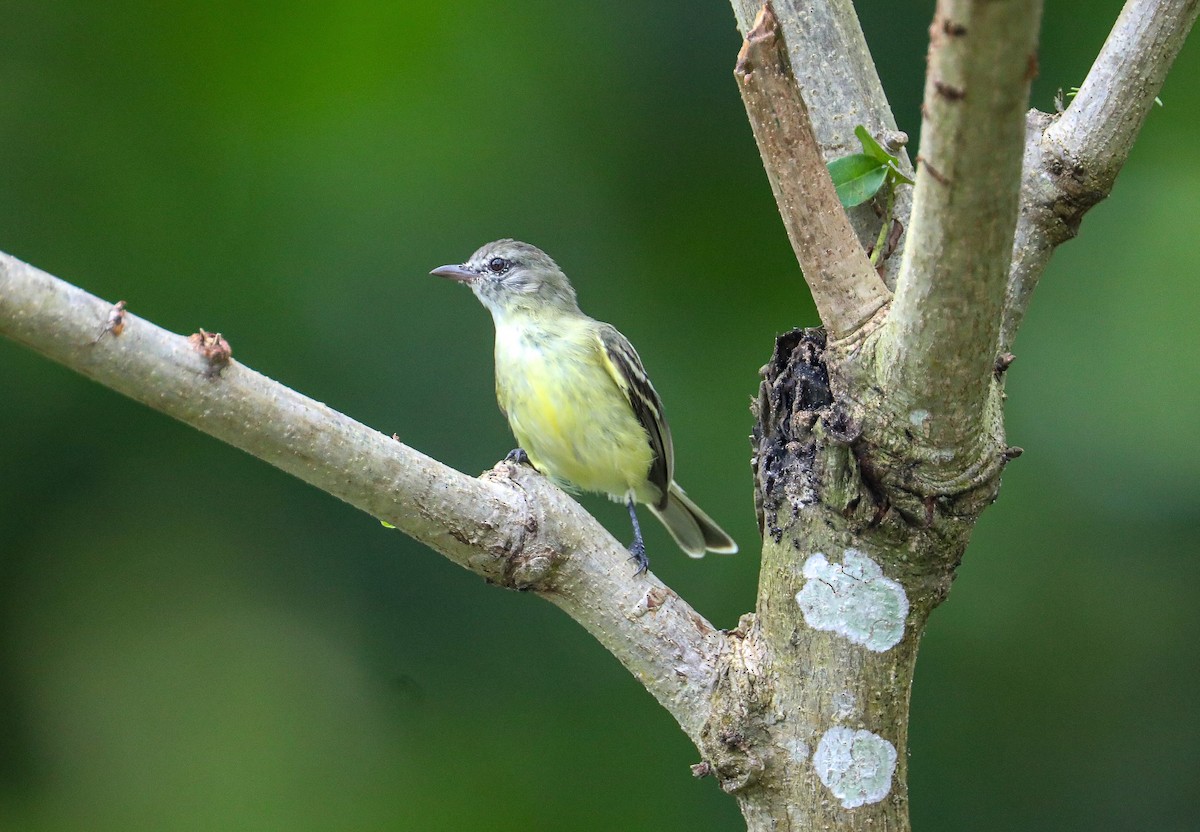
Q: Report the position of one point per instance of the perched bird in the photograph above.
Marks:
(577, 397)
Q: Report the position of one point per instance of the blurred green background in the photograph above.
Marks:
(190, 639)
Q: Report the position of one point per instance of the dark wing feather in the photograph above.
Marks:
(629, 374)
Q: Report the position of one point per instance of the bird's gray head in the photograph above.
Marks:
(511, 276)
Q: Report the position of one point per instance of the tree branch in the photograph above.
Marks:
(845, 286)
(511, 526)
(1072, 163)
(938, 346)
(831, 64)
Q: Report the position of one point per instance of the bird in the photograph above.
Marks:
(577, 397)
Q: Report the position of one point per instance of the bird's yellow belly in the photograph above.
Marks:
(571, 418)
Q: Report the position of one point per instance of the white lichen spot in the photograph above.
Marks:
(853, 599)
(843, 705)
(857, 766)
(918, 417)
(797, 750)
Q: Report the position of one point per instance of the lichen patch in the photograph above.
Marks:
(853, 599)
(856, 766)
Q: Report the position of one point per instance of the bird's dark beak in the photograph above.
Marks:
(458, 273)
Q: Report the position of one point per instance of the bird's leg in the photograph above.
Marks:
(637, 549)
(518, 456)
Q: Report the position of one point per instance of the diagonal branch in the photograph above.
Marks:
(1071, 163)
(845, 286)
(510, 526)
(938, 348)
(831, 63)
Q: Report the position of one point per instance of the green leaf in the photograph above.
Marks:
(386, 524)
(873, 148)
(857, 178)
(877, 152)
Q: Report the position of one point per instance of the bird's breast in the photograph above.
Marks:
(566, 411)
(542, 377)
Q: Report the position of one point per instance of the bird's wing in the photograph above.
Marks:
(627, 371)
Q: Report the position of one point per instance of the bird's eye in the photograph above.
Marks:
(498, 265)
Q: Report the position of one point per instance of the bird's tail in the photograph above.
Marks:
(693, 530)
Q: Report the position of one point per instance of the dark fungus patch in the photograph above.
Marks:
(793, 395)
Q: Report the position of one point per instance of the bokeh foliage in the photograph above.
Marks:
(190, 639)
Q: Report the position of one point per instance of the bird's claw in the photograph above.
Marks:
(637, 554)
(518, 456)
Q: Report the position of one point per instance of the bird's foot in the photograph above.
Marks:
(637, 554)
(518, 456)
(637, 549)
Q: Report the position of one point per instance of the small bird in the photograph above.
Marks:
(577, 397)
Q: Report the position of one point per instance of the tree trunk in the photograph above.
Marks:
(809, 723)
